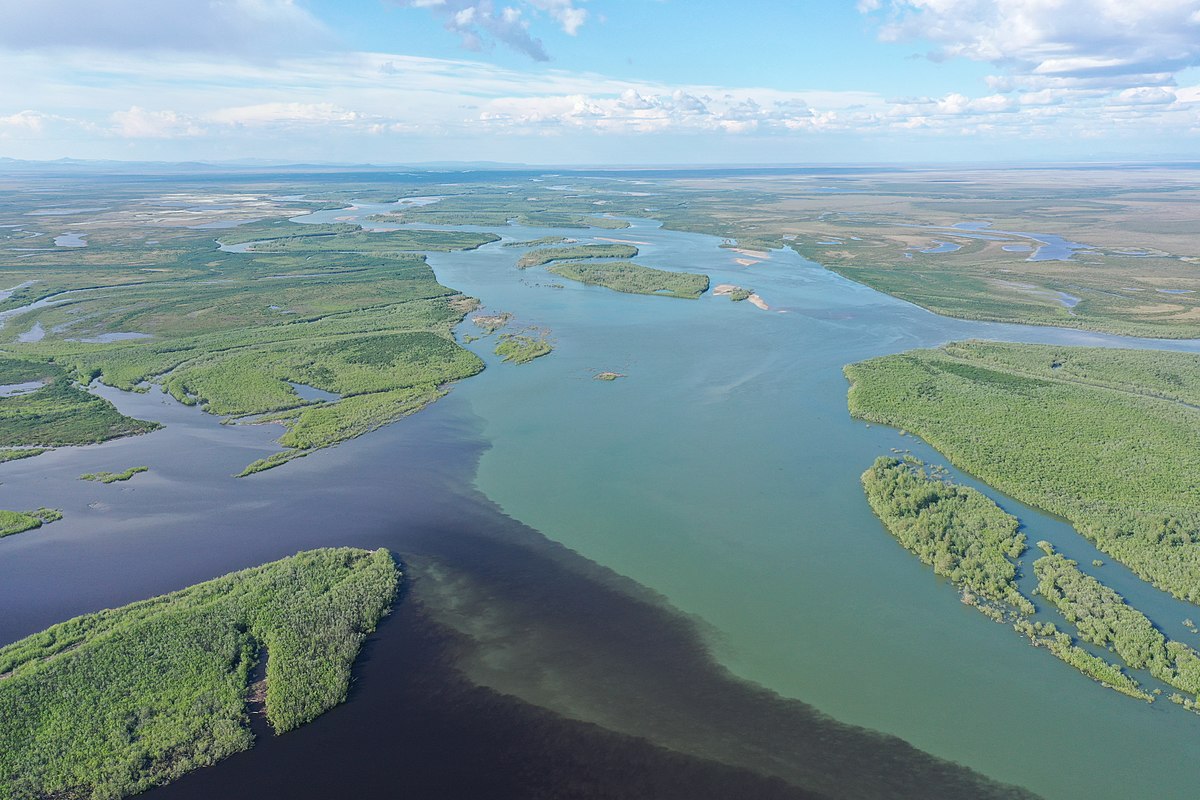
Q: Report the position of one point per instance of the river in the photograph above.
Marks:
(556, 524)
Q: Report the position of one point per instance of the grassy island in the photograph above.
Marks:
(1109, 439)
(113, 477)
(536, 258)
(59, 413)
(334, 307)
(20, 521)
(113, 703)
(965, 537)
(521, 348)
(625, 276)
(956, 530)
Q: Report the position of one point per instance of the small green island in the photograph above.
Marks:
(965, 537)
(521, 348)
(631, 278)
(542, 242)
(112, 477)
(60, 413)
(113, 703)
(20, 521)
(537, 258)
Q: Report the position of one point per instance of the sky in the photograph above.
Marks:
(601, 82)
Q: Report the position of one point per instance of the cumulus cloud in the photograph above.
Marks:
(635, 111)
(138, 123)
(479, 22)
(1117, 43)
(245, 27)
(25, 121)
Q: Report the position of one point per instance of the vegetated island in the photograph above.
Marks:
(609, 376)
(16, 454)
(542, 242)
(110, 704)
(521, 348)
(20, 521)
(965, 537)
(626, 276)
(537, 258)
(59, 413)
(327, 306)
(112, 477)
(737, 294)
(1109, 439)
(734, 293)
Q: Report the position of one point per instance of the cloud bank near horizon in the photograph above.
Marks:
(1065, 71)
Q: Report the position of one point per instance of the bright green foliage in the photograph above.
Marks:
(16, 455)
(521, 348)
(1104, 618)
(377, 242)
(536, 258)
(625, 276)
(338, 309)
(18, 522)
(1120, 464)
(956, 530)
(109, 704)
(60, 413)
(112, 477)
(545, 240)
(967, 538)
(1045, 634)
(322, 425)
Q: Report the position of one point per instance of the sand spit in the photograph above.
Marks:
(618, 241)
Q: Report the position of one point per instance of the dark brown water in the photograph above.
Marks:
(512, 667)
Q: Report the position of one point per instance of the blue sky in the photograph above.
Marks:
(601, 81)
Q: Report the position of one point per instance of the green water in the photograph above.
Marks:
(723, 474)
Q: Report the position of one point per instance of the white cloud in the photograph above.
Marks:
(1074, 42)
(479, 22)
(246, 27)
(26, 121)
(138, 123)
(275, 113)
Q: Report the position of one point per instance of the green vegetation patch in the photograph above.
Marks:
(536, 258)
(1113, 447)
(956, 530)
(543, 241)
(20, 521)
(109, 704)
(1104, 618)
(964, 536)
(359, 241)
(60, 413)
(625, 276)
(521, 348)
(328, 306)
(112, 477)
(25, 452)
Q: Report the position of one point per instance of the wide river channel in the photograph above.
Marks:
(718, 478)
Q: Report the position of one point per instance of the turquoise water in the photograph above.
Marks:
(722, 472)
